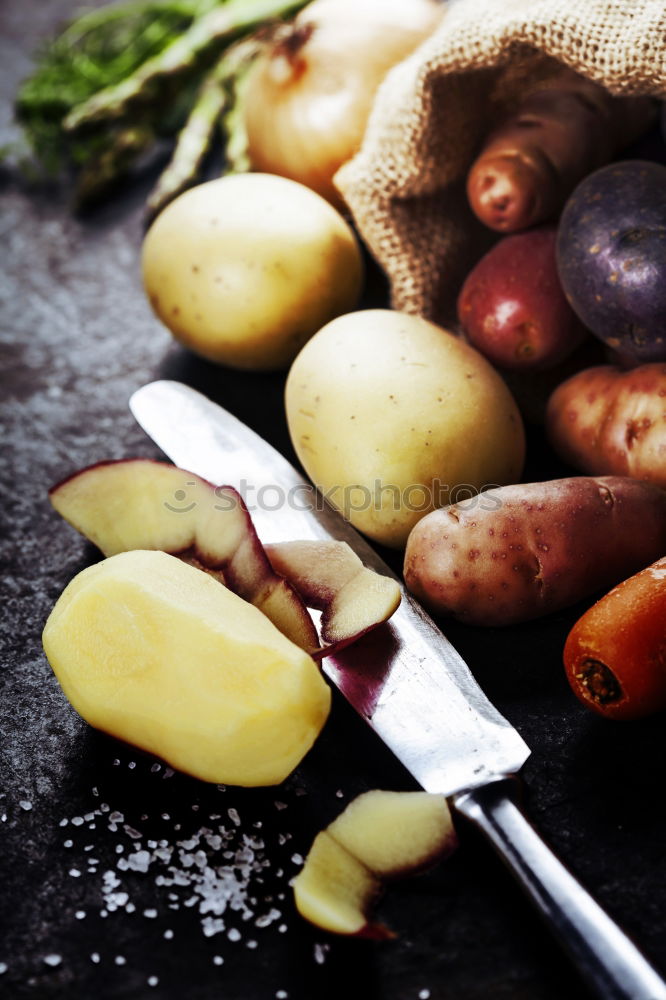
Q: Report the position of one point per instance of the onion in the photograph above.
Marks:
(310, 92)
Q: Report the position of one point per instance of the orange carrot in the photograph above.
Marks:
(615, 655)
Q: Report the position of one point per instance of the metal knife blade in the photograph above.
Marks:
(410, 684)
(419, 695)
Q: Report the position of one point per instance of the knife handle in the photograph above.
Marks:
(608, 960)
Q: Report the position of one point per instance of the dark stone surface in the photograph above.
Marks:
(78, 338)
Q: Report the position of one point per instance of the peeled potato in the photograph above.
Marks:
(245, 268)
(161, 655)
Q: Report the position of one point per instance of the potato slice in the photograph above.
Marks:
(379, 836)
(137, 503)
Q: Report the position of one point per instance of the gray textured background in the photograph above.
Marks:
(77, 339)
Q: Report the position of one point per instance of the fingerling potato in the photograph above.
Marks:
(526, 550)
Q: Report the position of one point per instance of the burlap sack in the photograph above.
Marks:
(405, 187)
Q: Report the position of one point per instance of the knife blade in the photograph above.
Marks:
(408, 682)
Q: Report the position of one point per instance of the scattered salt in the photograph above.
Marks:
(320, 953)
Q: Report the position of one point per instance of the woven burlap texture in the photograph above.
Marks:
(406, 186)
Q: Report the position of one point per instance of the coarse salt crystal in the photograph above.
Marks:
(218, 960)
(80, 914)
(233, 816)
(137, 862)
(424, 995)
(234, 934)
(77, 820)
(150, 913)
(320, 953)
(152, 980)
(95, 957)
(52, 960)
(74, 872)
(3, 968)
(25, 805)
(168, 934)
(120, 960)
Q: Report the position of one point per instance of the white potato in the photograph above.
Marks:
(393, 416)
(244, 269)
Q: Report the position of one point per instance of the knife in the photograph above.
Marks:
(409, 683)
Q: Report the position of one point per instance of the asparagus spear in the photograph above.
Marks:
(237, 160)
(216, 28)
(216, 95)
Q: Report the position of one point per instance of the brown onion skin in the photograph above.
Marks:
(615, 655)
(309, 95)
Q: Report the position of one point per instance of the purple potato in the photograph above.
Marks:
(611, 257)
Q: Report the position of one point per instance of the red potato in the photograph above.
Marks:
(557, 135)
(615, 655)
(607, 421)
(512, 307)
(522, 551)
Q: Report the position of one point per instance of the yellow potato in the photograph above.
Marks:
(163, 656)
(393, 416)
(244, 269)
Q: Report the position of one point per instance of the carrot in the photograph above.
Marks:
(615, 655)
(557, 135)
